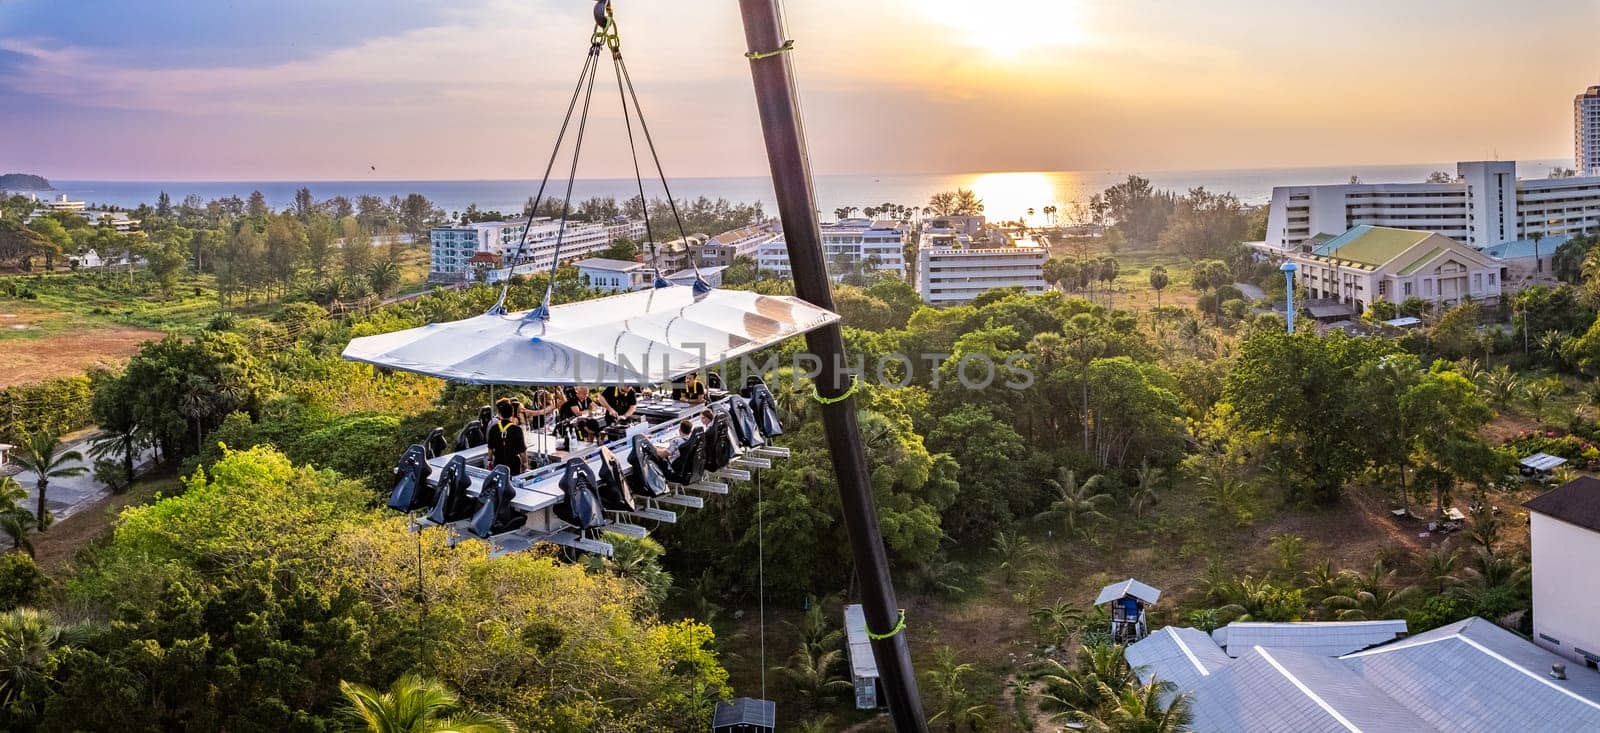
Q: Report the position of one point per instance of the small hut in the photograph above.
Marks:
(1129, 600)
(745, 715)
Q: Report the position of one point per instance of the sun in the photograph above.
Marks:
(1007, 29)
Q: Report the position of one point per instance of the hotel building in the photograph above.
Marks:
(845, 244)
(954, 266)
(1586, 132)
(453, 248)
(1487, 204)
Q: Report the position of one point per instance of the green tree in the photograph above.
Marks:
(1139, 212)
(1075, 503)
(416, 705)
(383, 278)
(42, 455)
(960, 202)
(1158, 282)
(1314, 431)
(30, 644)
(1205, 225)
(1139, 709)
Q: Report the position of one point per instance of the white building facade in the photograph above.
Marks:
(452, 248)
(1586, 132)
(1485, 205)
(1564, 538)
(953, 267)
(723, 249)
(847, 244)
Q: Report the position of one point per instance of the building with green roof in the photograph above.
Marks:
(1370, 263)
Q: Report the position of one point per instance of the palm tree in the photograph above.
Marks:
(383, 278)
(1159, 282)
(1075, 502)
(958, 706)
(1138, 709)
(118, 445)
(1375, 596)
(42, 456)
(416, 705)
(814, 673)
(1015, 550)
(1538, 394)
(1441, 567)
(1146, 479)
(14, 520)
(1056, 622)
(28, 639)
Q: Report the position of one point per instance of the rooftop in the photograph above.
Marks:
(1370, 245)
(1471, 675)
(1575, 502)
(1525, 248)
(1129, 587)
(601, 263)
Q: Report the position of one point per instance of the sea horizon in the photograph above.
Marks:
(1007, 195)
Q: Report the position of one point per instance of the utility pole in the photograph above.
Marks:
(791, 181)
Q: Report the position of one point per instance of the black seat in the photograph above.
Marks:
(764, 406)
(582, 507)
(495, 515)
(471, 436)
(451, 503)
(436, 444)
(743, 421)
(411, 485)
(647, 477)
(690, 465)
(718, 447)
(614, 492)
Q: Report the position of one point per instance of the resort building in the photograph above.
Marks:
(723, 249)
(452, 248)
(877, 245)
(1564, 536)
(1370, 263)
(1586, 132)
(1485, 205)
(954, 266)
(59, 203)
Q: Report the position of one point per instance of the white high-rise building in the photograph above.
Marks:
(954, 267)
(1486, 205)
(453, 248)
(1586, 132)
(845, 244)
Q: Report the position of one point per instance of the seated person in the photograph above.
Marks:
(619, 402)
(507, 446)
(576, 412)
(706, 416)
(692, 391)
(669, 451)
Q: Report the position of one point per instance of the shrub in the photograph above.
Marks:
(21, 581)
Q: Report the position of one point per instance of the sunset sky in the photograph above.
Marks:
(473, 89)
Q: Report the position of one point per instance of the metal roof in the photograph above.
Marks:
(745, 711)
(1180, 655)
(1542, 461)
(1575, 502)
(1371, 245)
(1521, 248)
(1129, 587)
(644, 337)
(1330, 310)
(1326, 638)
(862, 664)
(1273, 690)
(1403, 322)
(1474, 676)
(1471, 676)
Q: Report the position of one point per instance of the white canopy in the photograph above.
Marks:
(644, 337)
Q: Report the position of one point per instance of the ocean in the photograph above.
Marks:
(1005, 195)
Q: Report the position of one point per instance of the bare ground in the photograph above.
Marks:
(29, 360)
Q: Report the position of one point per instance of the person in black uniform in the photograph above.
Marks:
(693, 391)
(619, 403)
(507, 445)
(575, 411)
